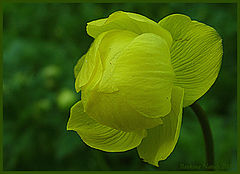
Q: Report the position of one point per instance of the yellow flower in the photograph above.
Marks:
(136, 78)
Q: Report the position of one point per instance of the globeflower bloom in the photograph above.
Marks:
(136, 78)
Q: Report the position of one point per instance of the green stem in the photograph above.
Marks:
(207, 134)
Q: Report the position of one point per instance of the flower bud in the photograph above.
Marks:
(126, 80)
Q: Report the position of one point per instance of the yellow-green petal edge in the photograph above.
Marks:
(78, 66)
(143, 72)
(196, 54)
(99, 136)
(127, 21)
(161, 140)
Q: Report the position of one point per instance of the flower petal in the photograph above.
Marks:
(161, 140)
(112, 45)
(99, 136)
(78, 66)
(143, 72)
(127, 21)
(112, 109)
(138, 89)
(106, 46)
(196, 55)
(91, 70)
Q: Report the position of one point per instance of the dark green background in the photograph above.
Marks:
(42, 43)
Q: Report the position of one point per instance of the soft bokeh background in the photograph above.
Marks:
(42, 43)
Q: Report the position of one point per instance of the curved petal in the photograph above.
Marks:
(99, 136)
(161, 140)
(144, 74)
(140, 80)
(196, 55)
(127, 21)
(113, 43)
(113, 110)
(78, 66)
(110, 46)
(91, 70)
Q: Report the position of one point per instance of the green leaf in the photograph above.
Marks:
(161, 140)
(99, 136)
(196, 55)
(127, 21)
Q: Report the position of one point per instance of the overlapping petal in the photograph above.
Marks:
(136, 85)
(99, 136)
(113, 110)
(91, 70)
(113, 44)
(196, 55)
(144, 74)
(108, 46)
(78, 66)
(127, 21)
(161, 140)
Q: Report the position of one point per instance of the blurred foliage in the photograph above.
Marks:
(42, 43)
